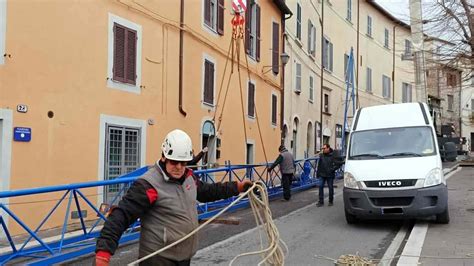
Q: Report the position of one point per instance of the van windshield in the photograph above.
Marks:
(392, 143)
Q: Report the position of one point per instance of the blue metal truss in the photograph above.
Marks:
(46, 252)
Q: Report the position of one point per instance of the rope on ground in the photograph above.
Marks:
(273, 254)
(356, 260)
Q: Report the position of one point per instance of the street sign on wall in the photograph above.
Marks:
(22, 134)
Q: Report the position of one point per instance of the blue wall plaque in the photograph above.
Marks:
(22, 134)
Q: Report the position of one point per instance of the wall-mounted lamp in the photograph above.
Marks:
(284, 58)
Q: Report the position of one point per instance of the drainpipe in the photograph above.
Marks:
(322, 74)
(357, 55)
(393, 63)
(282, 79)
(181, 43)
(282, 82)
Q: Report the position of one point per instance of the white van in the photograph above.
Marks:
(393, 166)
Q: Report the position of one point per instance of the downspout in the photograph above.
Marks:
(282, 79)
(357, 55)
(322, 74)
(181, 43)
(393, 64)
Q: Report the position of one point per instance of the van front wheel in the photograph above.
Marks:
(443, 218)
(350, 218)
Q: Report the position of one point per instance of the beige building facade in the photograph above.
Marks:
(383, 67)
(88, 89)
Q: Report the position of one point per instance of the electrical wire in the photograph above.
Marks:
(258, 198)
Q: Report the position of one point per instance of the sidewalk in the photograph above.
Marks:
(451, 242)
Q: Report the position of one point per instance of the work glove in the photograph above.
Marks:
(244, 185)
(102, 258)
(205, 149)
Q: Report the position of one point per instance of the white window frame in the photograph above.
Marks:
(212, 60)
(252, 118)
(407, 50)
(312, 40)
(298, 77)
(311, 89)
(110, 59)
(299, 19)
(407, 92)
(368, 80)
(276, 108)
(386, 39)
(349, 11)
(6, 132)
(253, 32)
(369, 26)
(3, 29)
(386, 90)
(213, 16)
(122, 121)
(328, 53)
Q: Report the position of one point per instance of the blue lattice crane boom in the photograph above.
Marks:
(350, 98)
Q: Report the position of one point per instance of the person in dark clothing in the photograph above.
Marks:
(326, 171)
(287, 169)
(164, 199)
(193, 163)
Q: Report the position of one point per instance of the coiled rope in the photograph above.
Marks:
(258, 197)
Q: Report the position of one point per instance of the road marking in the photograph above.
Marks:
(391, 251)
(412, 250)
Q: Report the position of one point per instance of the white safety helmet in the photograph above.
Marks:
(177, 146)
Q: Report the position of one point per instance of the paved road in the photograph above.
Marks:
(308, 231)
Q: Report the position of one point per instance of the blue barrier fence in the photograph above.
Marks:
(35, 248)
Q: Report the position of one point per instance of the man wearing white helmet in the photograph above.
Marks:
(164, 199)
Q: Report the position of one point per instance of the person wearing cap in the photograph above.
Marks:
(287, 168)
(164, 199)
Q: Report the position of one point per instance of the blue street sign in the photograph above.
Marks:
(22, 134)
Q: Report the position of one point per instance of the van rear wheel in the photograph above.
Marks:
(350, 218)
(443, 218)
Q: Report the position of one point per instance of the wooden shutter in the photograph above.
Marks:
(208, 82)
(119, 53)
(207, 12)
(248, 20)
(276, 48)
(258, 33)
(313, 52)
(131, 57)
(274, 109)
(220, 17)
(251, 100)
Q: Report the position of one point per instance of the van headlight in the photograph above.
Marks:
(349, 181)
(434, 177)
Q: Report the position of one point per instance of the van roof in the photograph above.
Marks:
(392, 115)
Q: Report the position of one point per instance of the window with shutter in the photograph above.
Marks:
(251, 100)
(276, 48)
(214, 15)
(386, 86)
(298, 21)
(208, 83)
(258, 32)
(274, 109)
(252, 31)
(369, 80)
(125, 54)
(326, 103)
(298, 78)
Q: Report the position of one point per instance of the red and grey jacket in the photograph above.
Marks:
(167, 211)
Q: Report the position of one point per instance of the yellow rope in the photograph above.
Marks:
(273, 254)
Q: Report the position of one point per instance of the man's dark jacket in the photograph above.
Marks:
(328, 164)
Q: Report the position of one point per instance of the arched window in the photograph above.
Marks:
(309, 139)
(294, 141)
(208, 140)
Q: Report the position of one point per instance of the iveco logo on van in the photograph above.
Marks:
(390, 183)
